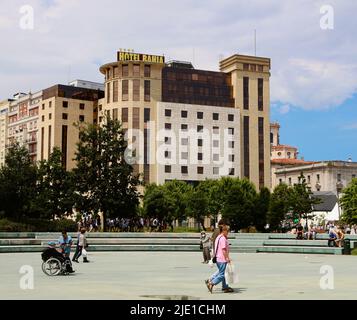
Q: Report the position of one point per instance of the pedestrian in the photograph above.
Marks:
(65, 242)
(222, 259)
(82, 244)
(205, 242)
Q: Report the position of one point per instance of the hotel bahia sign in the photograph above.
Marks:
(130, 56)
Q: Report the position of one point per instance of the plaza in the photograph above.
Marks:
(180, 275)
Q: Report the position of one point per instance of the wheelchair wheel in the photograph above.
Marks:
(52, 267)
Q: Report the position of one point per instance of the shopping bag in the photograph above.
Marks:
(231, 274)
(210, 263)
(84, 253)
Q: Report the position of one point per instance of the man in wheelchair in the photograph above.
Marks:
(57, 261)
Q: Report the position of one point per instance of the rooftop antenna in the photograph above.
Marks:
(255, 42)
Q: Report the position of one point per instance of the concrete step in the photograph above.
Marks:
(306, 250)
(298, 243)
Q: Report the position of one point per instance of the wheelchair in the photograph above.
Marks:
(54, 263)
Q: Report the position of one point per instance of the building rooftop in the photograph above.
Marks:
(291, 161)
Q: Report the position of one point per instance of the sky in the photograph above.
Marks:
(313, 52)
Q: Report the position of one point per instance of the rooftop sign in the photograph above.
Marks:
(140, 57)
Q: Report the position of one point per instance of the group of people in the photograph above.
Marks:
(137, 224)
(89, 222)
(219, 254)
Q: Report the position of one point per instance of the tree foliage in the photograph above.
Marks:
(349, 203)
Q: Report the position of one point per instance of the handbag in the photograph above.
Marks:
(214, 259)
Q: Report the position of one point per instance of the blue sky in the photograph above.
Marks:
(313, 75)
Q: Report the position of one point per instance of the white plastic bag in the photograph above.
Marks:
(210, 263)
(231, 274)
(84, 253)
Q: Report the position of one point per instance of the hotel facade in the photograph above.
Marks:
(190, 124)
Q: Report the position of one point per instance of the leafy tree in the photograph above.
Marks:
(213, 191)
(197, 205)
(280, 203)
(156, 202)
(176, 192)
(302, 199)
(239, 205)
(17, 183)
(54, 187)
(349, 203)
(104, 179)
(261, 209)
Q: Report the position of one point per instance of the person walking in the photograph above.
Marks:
(222, 256)
(82, 244)
(205, 243)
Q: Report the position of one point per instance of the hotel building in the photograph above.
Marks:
(191, 124)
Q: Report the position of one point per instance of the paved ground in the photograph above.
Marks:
(160, 275)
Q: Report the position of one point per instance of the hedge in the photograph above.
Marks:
(35, 225)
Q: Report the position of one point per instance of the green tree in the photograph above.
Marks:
(261, 209)
(104, 178)
(157, 203)
(280, 203)
(17, 183)
(54, 187)
(212, 189)
(239, 204)
(302, 199)
(197, 206)
(349, 203)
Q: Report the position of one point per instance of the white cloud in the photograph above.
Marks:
(311, 68)
(284, 109)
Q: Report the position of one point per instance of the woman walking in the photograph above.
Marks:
(221, 247)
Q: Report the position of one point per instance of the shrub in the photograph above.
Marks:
(37, 225)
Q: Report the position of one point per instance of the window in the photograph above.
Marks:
(115, 114)
(146, 114)
(260, 94)
(50, 104)
(167, 112)
(167, 140)
(184, 155)
(65, 104)
(183, 114)
(168, 126)
(215, 157)
(231, 172)
(167, 169)
(115, 91)
(200, 129)
(167, 155)
(64, 116)
(215, 130)
(279, 154)
(199, 156)
(200, 142)
(246, 66)
(289, 181)
(125, 70)
(184, 141)
(81, 118)
(353, 176)
(147, 71)
(231, 144)
(147, 90)
(184, 127)
(125, 90)
(199, 115)
(215, 116)
(231, 117)
(115, 72)
(260, 68)
(136, 70)
(50, 116)
(43, 106)
(184, 169)
(339, 177)
(43, 118)
(216, 143)
(124, 114)
(136, 90)
(308, 179)
(231, 131)
(318, 177)
(231, 157)
(289, 155)
(246, 93)
(81, 106)
(280, 181)
(199, 170)
(215, 170)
